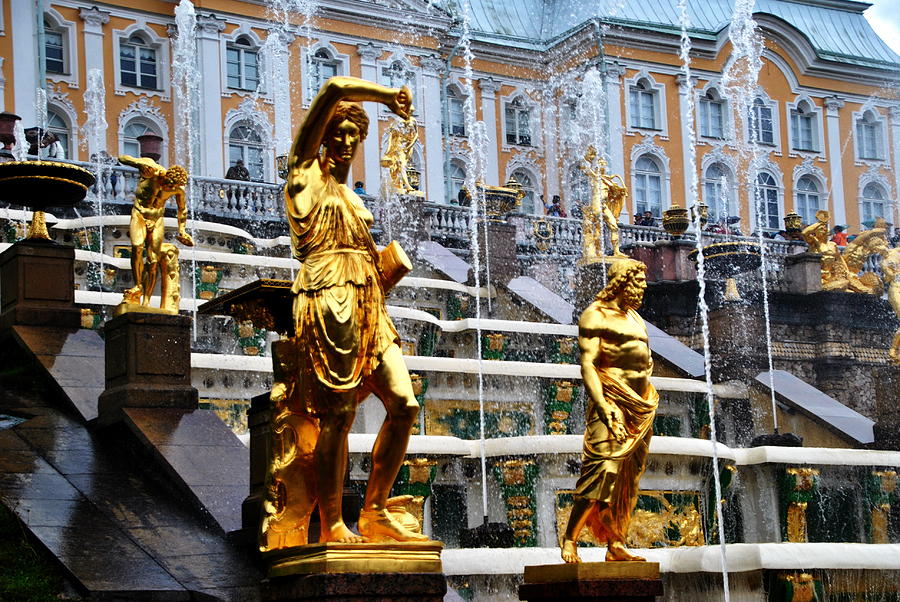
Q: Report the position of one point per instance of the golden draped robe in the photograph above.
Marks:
(611, 471)
(341, 321)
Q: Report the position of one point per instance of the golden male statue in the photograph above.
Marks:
(616, 365)
(607, 201)
(345, 346)
(149, 255)
(890, 268)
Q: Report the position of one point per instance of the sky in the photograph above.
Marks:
(884, 16)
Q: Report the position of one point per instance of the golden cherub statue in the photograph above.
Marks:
(346, 346)
(616, 366)
(608, 194)
(840, 272)
(402, 137)
(150, 256)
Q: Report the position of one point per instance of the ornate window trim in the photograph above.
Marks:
(70, 48)
(881, 120)
(660, 117)
(817, 176)
(805, 103)
(142, 110)
(413, 78)
(163, 61)
(873, 177)
(534, 119)
(772, 105)
(307, 56)
(248, 113)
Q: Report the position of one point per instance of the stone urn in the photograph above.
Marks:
(151, 146)
(7, 132)
(676, 221)
(500, 200)
(700, 212)
(793, 224)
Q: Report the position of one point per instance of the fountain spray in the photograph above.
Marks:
(95, 124)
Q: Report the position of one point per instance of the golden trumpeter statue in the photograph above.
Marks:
(616, 366)
(607, 200)
(345, 345)
(149, 255)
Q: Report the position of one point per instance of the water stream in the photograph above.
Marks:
(96, 125)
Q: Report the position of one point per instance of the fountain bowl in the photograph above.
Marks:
(43, 184)
(730, 258)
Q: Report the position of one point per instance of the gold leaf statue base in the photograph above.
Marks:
(591, 571)
(400, 557)
(126, 307)
(604, 259)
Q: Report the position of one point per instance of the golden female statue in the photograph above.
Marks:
(616, 365)
(346, 345)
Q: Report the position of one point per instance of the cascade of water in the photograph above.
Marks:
(40, 111)
(691, 169)
(477, 213)
(739, 81)
(186, 91)
(595, 131)
(95, 124)
(20, 147)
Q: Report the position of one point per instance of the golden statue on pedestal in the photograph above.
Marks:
(890, 269)
(402, 137)
(150, 256)
(840, 272)
(616, 366)
(345, 347)
(608, 194)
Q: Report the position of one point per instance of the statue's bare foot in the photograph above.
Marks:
(379, 526)
(617, 551)
(339, 533)
(570, 551)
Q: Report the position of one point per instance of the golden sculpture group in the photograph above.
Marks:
(150, 256)
(608, 194)
(402, 137)
(615, 366)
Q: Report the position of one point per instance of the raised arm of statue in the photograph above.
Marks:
(147, 166)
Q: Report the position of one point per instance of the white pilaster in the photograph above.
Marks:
(614, 74)
(369, 53)
(431, 108)
(836, 172)
(2, 85)
(687, 116)
(894, 159)
(24, 59)
(94, 20)
(489, 89)
(209, 29)
(549, 123)
(281, 85)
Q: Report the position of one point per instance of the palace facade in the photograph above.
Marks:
(825, 115)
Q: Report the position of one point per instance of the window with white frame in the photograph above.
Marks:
(869, 136)
(245, 144)
(648, 186)
(57, 125)
(130, 134)
(322, 67)
(456, 107)
(457, 179)
(54, 48)
(808, 199)
(530, 200)
(804, 127)
(712, 115)
(518, 122)
(873, 203)
(762, 127)
(766, 199)
(242, 64)
(717, 192)
(642, 104)
(138, 65)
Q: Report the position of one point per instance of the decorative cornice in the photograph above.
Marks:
(808, 167)
(681, 79)
(614, 70)
(432, 64)
(833, 104)
(369, 51)
(172, 31)
(94, 17)
(489, 86)
(895, 115)
(210, 24)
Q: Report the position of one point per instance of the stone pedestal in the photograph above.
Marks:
(148, 364)
(410, 224)
(362, 587)
(667, 260)
(37, 285)
(589, 280)
(499, 250)
(887, 421)
(737, 342)
(803, 273)
(606, 581)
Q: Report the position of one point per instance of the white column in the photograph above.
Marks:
(685, 118)
(489, 89)
(432, 112)
(94, 20)
(614, 74)
(551, 154)
(2, 86)
(370, 53)
(209, 28)
(894, 159)
(24, 60)
(281, 85)
(836, 172)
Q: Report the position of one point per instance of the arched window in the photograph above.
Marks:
(322, 67)
(869, 136)
(804, 133)
(761, 125)
(457, 179)
(529, 201)
(54, 48)
(712, 115)
(130, 133)
(647, 186)
(242, 64)
(57, 125)
(245, 144)
(642, 101)
(807, 199)
(518, 122)
(138, 63)
(766, 198)
(457, 112)
(717, 192)
(873, 203)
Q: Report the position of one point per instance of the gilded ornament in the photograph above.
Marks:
(402, 137)
(608, 194)
(840, 272)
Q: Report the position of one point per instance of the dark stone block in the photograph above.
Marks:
(606, 590)
(497, 246)
(368, 587)
(37, 285)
